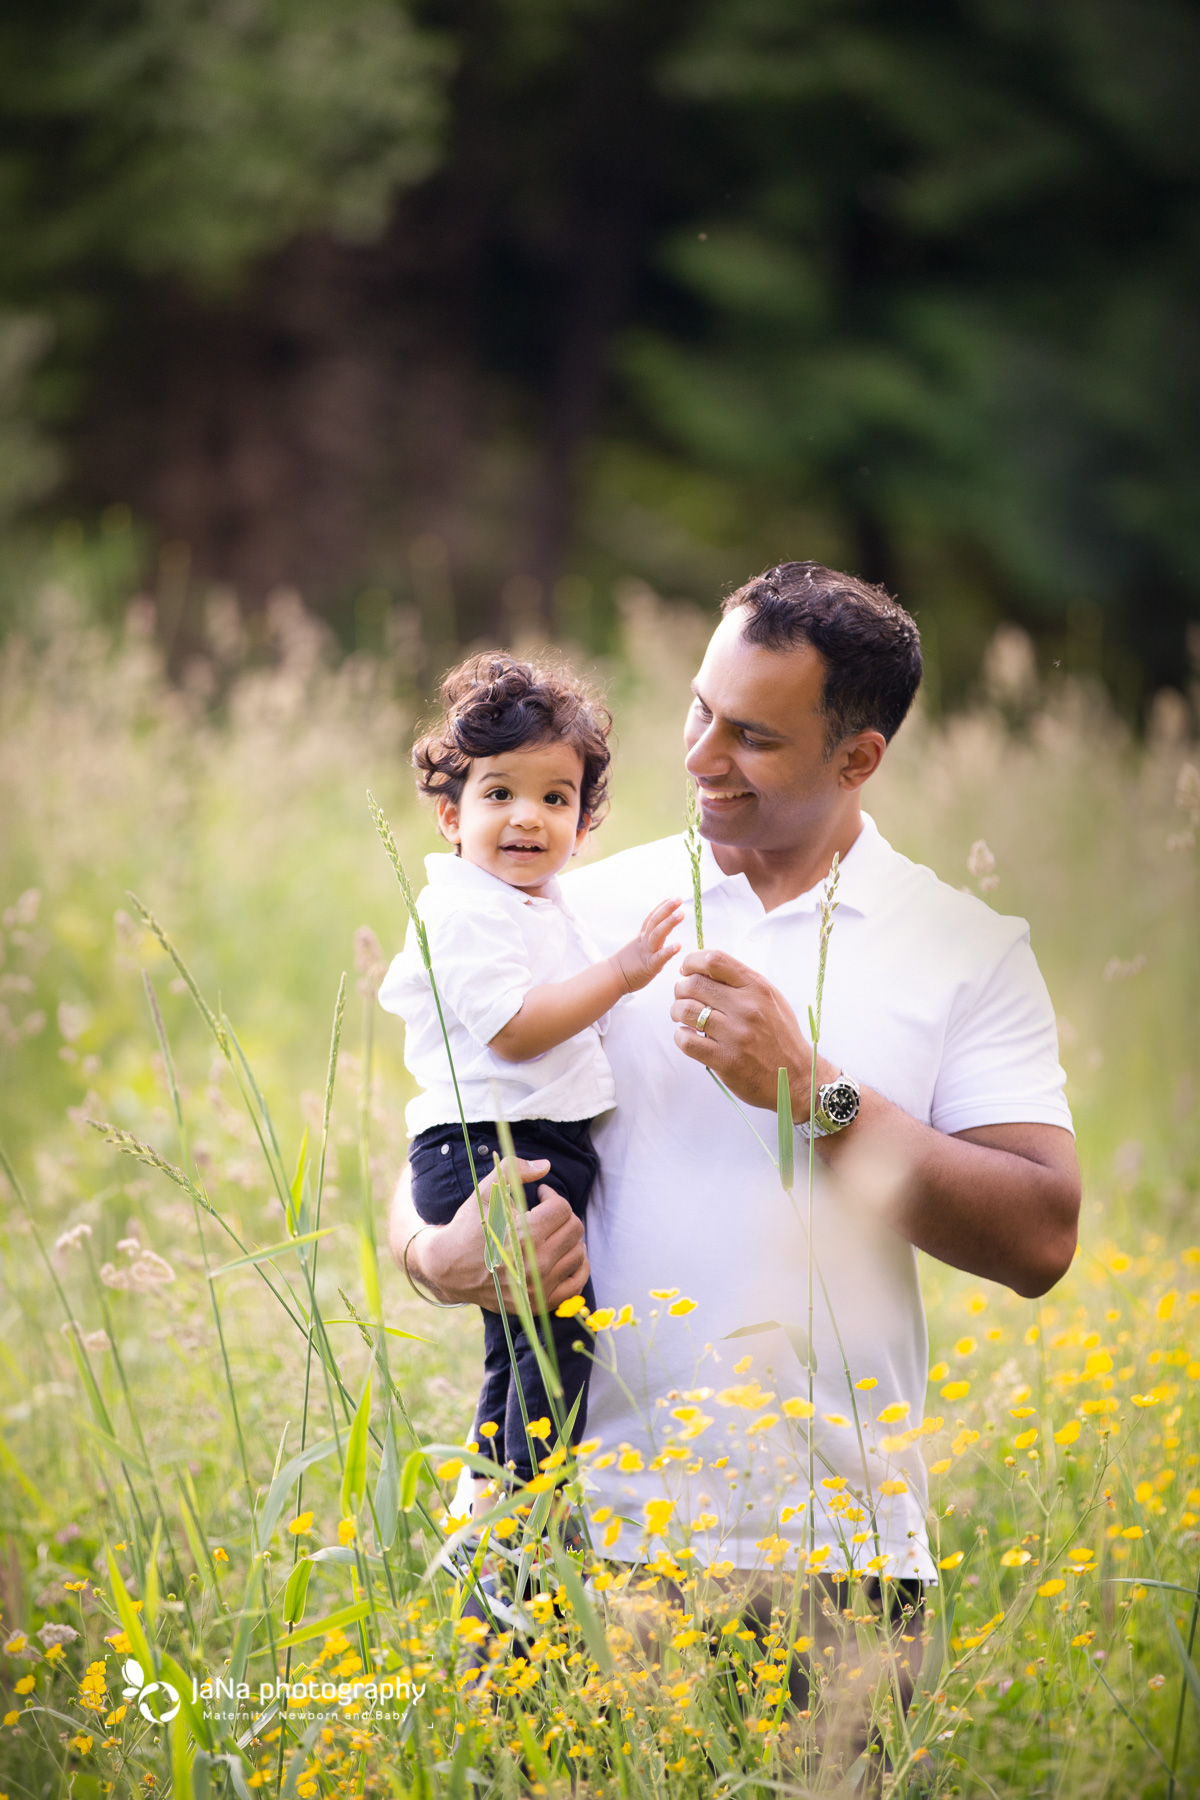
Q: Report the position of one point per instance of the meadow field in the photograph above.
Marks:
(220, 1466)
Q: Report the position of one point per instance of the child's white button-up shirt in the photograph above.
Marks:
(489, 944)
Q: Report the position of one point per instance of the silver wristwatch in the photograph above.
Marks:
(837, 1107)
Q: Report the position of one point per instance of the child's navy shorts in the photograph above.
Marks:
(441, 1182)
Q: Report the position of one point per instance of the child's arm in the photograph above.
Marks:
(555, 1011)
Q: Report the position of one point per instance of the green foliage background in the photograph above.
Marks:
(909, 289)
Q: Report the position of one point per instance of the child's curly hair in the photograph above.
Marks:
(492, 703)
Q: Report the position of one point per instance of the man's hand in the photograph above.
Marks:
(750, 1034)
(448, 1259)
(1001, 1201)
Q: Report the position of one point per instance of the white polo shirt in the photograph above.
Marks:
(933, 1000)
(489, 944)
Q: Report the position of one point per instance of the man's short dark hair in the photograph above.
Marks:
(870, 646)
(493, 703)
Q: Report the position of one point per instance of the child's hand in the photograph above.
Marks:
(643, 956)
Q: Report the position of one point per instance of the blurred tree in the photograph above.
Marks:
(458, 299)
(950, 295)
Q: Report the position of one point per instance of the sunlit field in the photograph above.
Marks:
(207, 1474)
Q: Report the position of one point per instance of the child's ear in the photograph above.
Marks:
(581, 831)
(447, 819)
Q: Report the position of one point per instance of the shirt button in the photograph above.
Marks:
(445, 1149)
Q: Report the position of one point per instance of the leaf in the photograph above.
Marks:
(354, 1471)
(130, 1623)
(787, 1133)
(93, 1392)
(594, 1635)
(376, 1325)
(181, 1762)
(939, 1640)
(170, 1670)
(240, 1653)
(496, 1233)
(296, 1191)
(299, 1758)
(150, 1583)
(533, 1750)
(296, 1591)
(1190, 1673)
(272, 1250)
(387, 1489)
(237, 1772)
(282, 1485)
(113, 1448)
(796, 1336)
(335, 1621)
(409, 1477)
(8, 1460)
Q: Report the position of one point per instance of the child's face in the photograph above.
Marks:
(519, 817)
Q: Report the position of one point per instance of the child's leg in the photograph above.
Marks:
(574, 1369)
(493, 1395)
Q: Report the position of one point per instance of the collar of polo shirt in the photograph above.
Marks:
(860, 872)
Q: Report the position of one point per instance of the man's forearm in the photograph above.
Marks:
(447, 1261)
(1001, 1201)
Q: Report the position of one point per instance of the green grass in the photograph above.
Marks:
(244, 828)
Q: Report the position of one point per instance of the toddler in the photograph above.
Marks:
(517, 765)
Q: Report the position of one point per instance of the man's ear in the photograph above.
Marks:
(447, 819)
(861, 755)
(581, 831)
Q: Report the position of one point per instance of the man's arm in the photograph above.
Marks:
(448, 1259)
(1001, 1201)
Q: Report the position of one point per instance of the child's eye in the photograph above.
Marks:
(497, 793)
(556, 799)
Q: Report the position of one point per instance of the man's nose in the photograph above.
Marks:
(706, 756)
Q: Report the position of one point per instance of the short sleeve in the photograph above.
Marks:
(1000, 1057)
(480, 961)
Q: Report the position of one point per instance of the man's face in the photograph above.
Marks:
(756, 744)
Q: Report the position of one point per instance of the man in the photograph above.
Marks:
(942, 1124)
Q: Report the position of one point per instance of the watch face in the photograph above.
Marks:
(840, 1102)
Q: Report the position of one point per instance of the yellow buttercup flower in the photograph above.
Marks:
(658, 1516)
(300, 1524)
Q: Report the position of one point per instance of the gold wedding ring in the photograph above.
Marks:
(702, 1021)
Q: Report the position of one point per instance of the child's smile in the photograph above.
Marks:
(518, 816)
